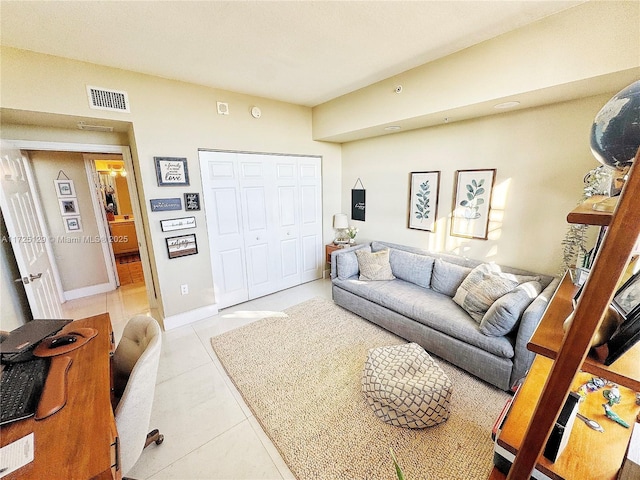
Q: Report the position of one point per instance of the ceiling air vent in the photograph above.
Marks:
(103, 99)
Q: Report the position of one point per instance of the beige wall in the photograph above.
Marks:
(540, 154)
(167, 118)
(586, 50)
(79, 258)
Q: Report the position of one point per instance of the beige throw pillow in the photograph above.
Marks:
(483, 286)
(374, 266)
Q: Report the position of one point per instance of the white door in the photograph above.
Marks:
(310, 199)
(31, 245)
(221, 192)
(275, 200)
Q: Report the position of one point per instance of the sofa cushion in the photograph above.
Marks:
(503, 315)
(484, 285)
(374, 266)
(347, 264)
(411, 267)
(447, 277)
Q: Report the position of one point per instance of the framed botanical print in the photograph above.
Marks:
(423, 200)
(472, 203)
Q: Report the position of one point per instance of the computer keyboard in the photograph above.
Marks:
(20, 389)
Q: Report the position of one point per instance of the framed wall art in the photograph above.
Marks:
(182, 246)
(72, 224)
(65, 188)
(472, 203)
(69, 206)
(423, 200)
(165, 204)
(172, 171)
(191, 201)
(177, 224)
(358, 201)
(627, 299)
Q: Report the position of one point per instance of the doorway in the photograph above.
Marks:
(115, 199)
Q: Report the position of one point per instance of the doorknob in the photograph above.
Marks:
(33, 277)
(24, 280)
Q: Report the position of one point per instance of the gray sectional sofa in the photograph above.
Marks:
(418, 305)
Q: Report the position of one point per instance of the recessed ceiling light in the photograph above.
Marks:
(506, 105)
(392, 127)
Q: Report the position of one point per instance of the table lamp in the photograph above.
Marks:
(340, 225)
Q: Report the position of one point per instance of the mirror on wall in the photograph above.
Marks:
(113, 189)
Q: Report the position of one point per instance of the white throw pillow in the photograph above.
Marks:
(505, 312)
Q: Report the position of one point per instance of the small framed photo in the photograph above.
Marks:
(69, 206)
(172, 171)
(191, 201)
(423, 200)
(72, 224)
(627, 299)
(182, 246)
(65, 188)
(471, 203)
(625, 337)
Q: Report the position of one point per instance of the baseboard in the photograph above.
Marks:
(88, 291)
(181, 319)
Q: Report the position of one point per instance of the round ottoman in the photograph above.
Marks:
(405, 387)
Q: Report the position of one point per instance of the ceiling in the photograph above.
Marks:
(301, 52)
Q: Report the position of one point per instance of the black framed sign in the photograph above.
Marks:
(182, 246)
(358, 202)
(172, 171)
(191, 201)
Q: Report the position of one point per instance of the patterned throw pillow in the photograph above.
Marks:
(374, 266)
(484, 285)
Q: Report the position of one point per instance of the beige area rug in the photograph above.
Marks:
(300, 375)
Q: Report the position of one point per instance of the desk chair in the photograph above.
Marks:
(135, 366)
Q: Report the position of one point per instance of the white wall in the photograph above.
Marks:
(540, 154)
(167, 118)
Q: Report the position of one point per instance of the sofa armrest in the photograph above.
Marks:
(531, 317)
(342, 251)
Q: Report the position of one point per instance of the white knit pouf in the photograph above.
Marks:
(405, 387)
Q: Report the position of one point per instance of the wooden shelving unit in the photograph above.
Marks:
(547, 339)
(548, 384)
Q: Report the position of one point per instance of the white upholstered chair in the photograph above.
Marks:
(135, 370)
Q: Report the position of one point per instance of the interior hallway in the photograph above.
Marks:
(209, 431)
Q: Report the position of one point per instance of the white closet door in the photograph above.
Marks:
(264, 218)
(310, 200)
(257, 190)
(222, 200)
(287, 228)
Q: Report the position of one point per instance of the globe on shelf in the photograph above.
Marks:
(615, 134)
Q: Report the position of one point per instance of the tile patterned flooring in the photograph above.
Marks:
(209, 431)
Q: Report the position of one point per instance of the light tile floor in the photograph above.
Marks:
(209, 432)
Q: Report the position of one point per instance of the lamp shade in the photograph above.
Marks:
(340, 220)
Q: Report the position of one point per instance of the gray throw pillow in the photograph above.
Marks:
(503, 315)
(374, 266)
(447, 277)
(484, 285)
(411, 267)
(347, 264)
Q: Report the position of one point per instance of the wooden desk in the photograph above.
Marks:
(79, 441)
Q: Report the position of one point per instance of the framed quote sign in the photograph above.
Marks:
(172, 171)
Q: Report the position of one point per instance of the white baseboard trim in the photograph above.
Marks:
(181, 319)
(88, 291)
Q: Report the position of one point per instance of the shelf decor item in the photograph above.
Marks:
(423, 200)
(472, 203)
(172, 171)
